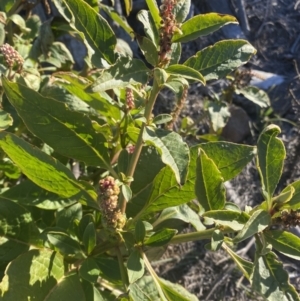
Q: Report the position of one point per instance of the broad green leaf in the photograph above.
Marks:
(16, 223)
(244, 265)
(9, 169)
(150, 28)
(175, 53)
(186, 72)
(259, 221)
(233, 219)
(217, 61)
(20, 22)
(230, 158)
(140, 231)
(175, 292)
(121, 20)
(69, 133)
(84, 222)
(284, 242)
(29, 194)
(124, 72)
(10, 249)
(89, 237)
(45, 171)
(135, 266)
(256, 95)
(32, 276)
(5, 120)
(182, 212)
(202, 25)
(91, 292)
(284, 197)
(89, 270)
(128, 6)
(165, 191)
(154, 11)
(6, 5)
(161, 237)
(174, 152)
(76, 85)
(2, 30)
(294, 202)
(95, 28)
(69, 287)
(66, 217)
(217, 239)
(143, 178)
(271, 280)
(181, 10)
(109, 268)
(144, 290)
(162, 119)
(219, 114)
(65, 244)
(149, 50)
(209, 186)
(270, 157)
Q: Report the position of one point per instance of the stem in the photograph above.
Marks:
(205, 234)
(139, 144)
(154, 276)
(122, 269)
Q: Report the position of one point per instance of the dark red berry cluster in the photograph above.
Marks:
(167, 29)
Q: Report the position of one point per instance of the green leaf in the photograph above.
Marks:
(294, 202)
(9, 169)
(69, 287)
(144, 290)
(175, 292)
(124, 72)
(284, 197)
(143, 179)
(95, 28)
(259, 221)
(217, 240)
(126, 192)
(43, 170)
(175, 53)
(89, 238)
(10, 249)
(160, 238)
(32, 276)
(202, 25)
(66, 217)
(230, 158)
(29, 194)
(162, 119)
(233, 219)
(89, 270)
(165, 191)
(91, 292)
(69, 133)
(186, 72)
(270, 155)
(174, 152)
(5, 120)
(140, 231)
(109, 268)
(150, 28)
(209, 186)
(218, 114)
(154, 11)
(284, 242)
(16, 223)
(256, 95)
(244, 265)
(65, 244)
(181, 10)
(182, 212)
(149, 50)
(217, 61)
(135, 266)
(20, 22)
(271, 280)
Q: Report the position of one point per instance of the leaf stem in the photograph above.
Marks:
(122, 269)
(199, 235)
(154, 276)
(139, 144)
